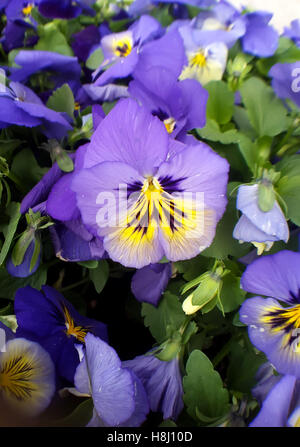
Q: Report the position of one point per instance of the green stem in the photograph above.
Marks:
(285, 139)
(16, 180)
(224, 351)
(75, 284)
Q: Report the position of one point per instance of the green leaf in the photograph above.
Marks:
(287, 53)
(249, 151)
(192, 268)
(100, 275)
(289, 190)
(10, 321)
(167, 423)
(26, 168)
(162, 15)
(267, 113)
(220, 104)
(243, 365)
(64, 161)
(62, 100)
(203, 388)
(206, 291)
(36, 253)
(80, 417)
(21, 247)
(13, 210)
(95, 59)
(9, 284)
(288, 186)
(212, 132)
(232, 295)
(51, 39)
(93, 264)
(164, 319)
(241, 118)
(224, 244)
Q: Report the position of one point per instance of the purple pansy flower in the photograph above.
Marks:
(65, 9)
(53, 196)
(180, 105)
(162, 381)
(21, 106)
(84, 41)
(281, 406)
(222, 23)
(14, 36)
(262, 228)
(286, 81)
(24, 269)
(265, 381)
(149, 283)
(260, 39)
(274, 321)
(121, 50)
(47, 317)
(27, 379)
(105, 93)
(206, 57)
(20, 11)
(142, 6)
(138, 189)
(64, 68)
(118, 395)
(293, 32)
(134, 51)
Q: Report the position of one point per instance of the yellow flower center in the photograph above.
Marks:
(77, 106)
(15, 377)
(198, 60)
(78, 332)
(170, 124)
(281, 319)
(27, 9)
(123, 47)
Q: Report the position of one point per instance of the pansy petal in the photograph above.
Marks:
(106, 93)
(162, 381)
(23, 270)
(144, 147)
(10, 113)
(71, 247)
(166, 52)
(145, 29)
(40, 191)
(275, 409)
(272, 222)
(121, 68)
(61, 203)
(276, 276)
(150, 282)
(260, 38)
(28, 373)
(246, 231)
(198, 169)
(112, 386)
(98, 187)
(141, 404)
(275, 331)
